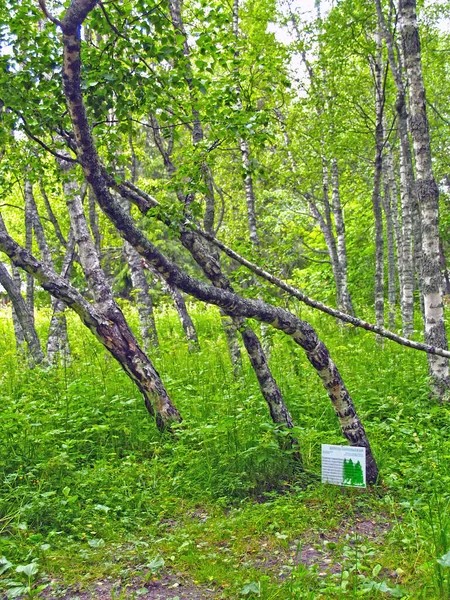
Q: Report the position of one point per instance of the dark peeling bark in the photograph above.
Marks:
(267, 384)
(117, 336)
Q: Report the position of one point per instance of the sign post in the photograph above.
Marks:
(344, 465)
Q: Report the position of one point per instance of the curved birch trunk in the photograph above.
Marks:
(117, 336)
(302, 333)
(428, 196)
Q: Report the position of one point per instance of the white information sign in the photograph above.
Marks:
(344, 465)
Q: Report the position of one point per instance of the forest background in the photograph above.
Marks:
(224, 231)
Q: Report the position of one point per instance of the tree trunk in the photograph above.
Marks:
(393, 191)
(28, 192)
(407, 189)
(267, 384)
(185, 318)
(23, 316)
(58, 339)
(392, 290)
(428, 196)
(117, 335)
(301, 332)
(143, 298)
(93, 223)
(346, 301)
(20, 339)
(376, 194)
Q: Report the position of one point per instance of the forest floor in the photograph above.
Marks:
(96, 503)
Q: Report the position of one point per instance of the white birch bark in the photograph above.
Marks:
(28, 245)
(346, 301)
(376, 194)
(20, 340)
(407, 188)
(57, 340)
(390, 243)
(428, 196)
(23, 315)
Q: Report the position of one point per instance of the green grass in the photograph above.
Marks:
(91, 490)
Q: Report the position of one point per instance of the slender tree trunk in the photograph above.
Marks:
(444, 269)
(93, 223)
(143, 298)
(346, 301)
(267, 384)
(23, 316)
(180, 305)
(20, 339)
(376, 194)
(58, 339)
(407, 189)
(392, 290)
(393, 191)
(428, 196)
(51, 215)
(28, 192)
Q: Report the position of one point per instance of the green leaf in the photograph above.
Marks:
(444, 561)
(28, 570)
(15, 592)
(155, 564)
(4, 564)
(96, 542)
(250, 588)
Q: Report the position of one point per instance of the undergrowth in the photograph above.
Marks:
(91, 490)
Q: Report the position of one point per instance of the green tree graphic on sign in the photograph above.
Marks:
(352, 473)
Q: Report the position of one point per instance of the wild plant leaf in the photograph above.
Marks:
(155, 564)
(96, 542)
(444, 561)
(4, 564)
(29, 570)
(250, 588)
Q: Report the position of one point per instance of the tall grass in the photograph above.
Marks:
(80, 458)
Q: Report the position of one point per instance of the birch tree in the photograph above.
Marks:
(428, 195)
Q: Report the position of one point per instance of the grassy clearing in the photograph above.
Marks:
(92, 492)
